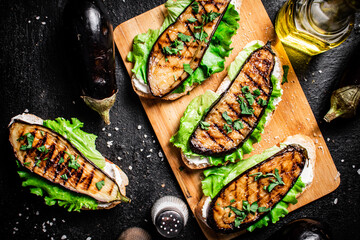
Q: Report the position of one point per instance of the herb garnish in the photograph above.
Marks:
(244, 107)
(30, 140)
(256, 92)
(204, 125)
(245, 89)
(263, 209)
(227, 118)
(38, 163)
(262, 102)
(64, 176)
(232, 200)
(41, 149)
(26, 163)
(61, 160)
(242, 214)
(100, 184)
(286, 71)
(201, 36)
(278, 180)
(184, 37)
(195, 7)
(249, 97)
(192, 20)
(209, 17)
(238, 124)
(188, 69)
(174, 48)
(73, 161)
(42, 133)
(227, 128)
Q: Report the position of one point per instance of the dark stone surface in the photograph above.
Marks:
(33, 77)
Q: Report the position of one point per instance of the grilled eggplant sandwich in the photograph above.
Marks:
(251, 193)
(191, 45)
(60, 162)
(221, 127)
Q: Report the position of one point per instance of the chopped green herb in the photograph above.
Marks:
(244, 107)
(174, 48)
(286, 71)
(227, 128)
(262, 102)
(100, 184)
(61, 160)
(18, 164)
(45, 159)
(209, 17)
(246, 206)
(277, 176)
(42, 133)
(235, 210)
(188, 69)
(249, 97)
(41, 149)
(276, 182)
(20, 138)
(238, 221)
(245, 89)
(73, 162)
(257, 175)
(227, 118)
(195, 7)
(27, 163)
(232, 200)
(38, 163)
(254, 207)
(198, 27)
(204, 125)
(238, 124)
(166, 59)
(184, 38)
(263, 209)
(30, 140)
(192, 20)
(256, 92)
(175, 78)
(64, 176)
(229, 214)
(201, 36)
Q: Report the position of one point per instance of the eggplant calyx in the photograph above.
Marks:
(344, 102)
(102, 106)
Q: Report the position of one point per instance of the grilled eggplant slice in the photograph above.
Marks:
(234, 116)
(250, 196)
(180, 48)
(48, 154)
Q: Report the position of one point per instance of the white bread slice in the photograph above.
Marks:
(222, 88)
(299, 139)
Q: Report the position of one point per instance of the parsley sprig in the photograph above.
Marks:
(274, 182)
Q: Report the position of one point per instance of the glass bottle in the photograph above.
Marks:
(315, 26)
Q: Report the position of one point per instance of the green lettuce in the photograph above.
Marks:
(56, 194)
(84, 142)
(216, 178)
(200, 105)
(214, 58)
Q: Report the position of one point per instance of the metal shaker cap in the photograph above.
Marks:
(169, 214)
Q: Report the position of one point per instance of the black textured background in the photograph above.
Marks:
(33, 78)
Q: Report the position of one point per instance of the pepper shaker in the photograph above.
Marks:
(169, 215)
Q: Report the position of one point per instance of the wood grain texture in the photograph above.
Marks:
(293, 114)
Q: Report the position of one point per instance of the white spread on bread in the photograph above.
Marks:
(112, 170)
(28, 118)
(140, 85)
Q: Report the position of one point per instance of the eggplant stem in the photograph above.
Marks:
(125, 199)
(102, 106)
(332, 114)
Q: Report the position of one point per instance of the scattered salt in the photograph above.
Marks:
(29, 21)
(119, 158)
(109, 134)
(130, 167)
(320, 71)
(151, 150)
(139, 127)
(109, 143)
(342, 160)
(148, 156)
(160, 154)
(26, 110)
(141, 150)
(153, 141)
(335, 201)
(20, 214)
(358, 171)
(37, 17)
(43, 23)
(116, 129)
(328, 139)
(73, 102)
(145, 136)
(163, 185)
(88, 238)
(63, 237)
(353, 166)
(37, 213)
(103, 129)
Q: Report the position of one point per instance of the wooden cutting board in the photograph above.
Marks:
(292, 116)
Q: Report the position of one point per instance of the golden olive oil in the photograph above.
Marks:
(315, 26)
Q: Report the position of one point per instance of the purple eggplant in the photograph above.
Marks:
(90, 39)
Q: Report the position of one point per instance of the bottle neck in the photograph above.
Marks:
(332, 15)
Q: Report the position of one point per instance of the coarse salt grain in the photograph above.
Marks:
(358, 171)
(342, 160)
(145, 136)
(109, 134)
(328, 139)
(139, 127)
(148, 156)
(63, 237)
(353, 166)
(37, 17)
(335, 201)
(88, 238)
(116, 129)
(37, 213)
(103, 129)
(119, 158)
(160, 154)
(151, 150)
(130, 167)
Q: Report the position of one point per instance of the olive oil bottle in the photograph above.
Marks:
(315, 26)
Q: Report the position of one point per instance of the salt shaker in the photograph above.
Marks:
(169, 215)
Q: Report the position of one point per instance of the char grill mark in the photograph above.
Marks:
(261, 59)
(162, 76)
(289, 162)
(81, 180)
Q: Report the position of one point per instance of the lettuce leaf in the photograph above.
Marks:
(55, 194)
(214, 58)
(216, 178)
(84, 142)
(198, 105)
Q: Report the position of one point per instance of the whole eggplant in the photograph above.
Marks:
(302, 229)
(345, 99)
(89, 34)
